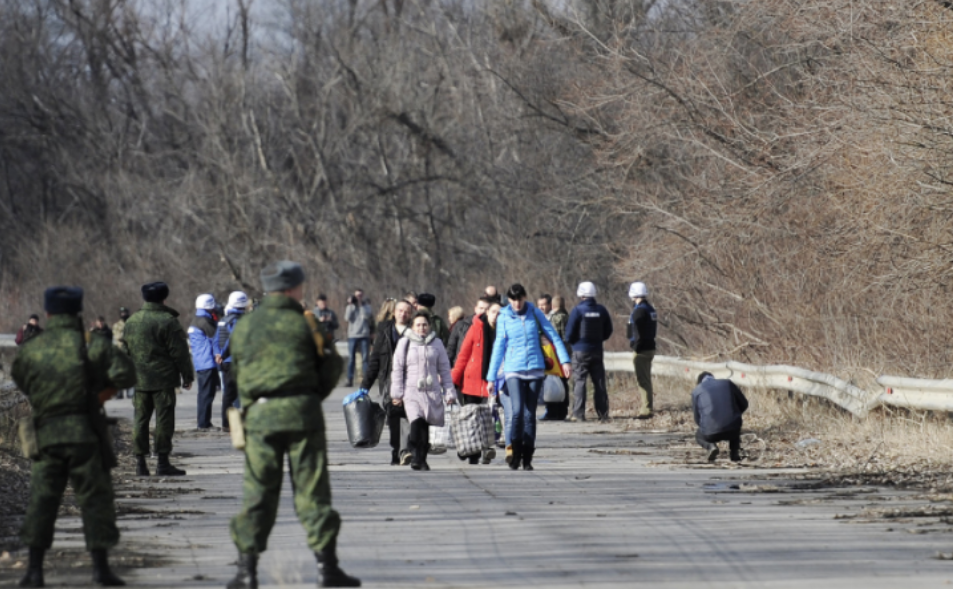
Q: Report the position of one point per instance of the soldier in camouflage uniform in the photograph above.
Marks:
(62, 379)
(160, 349)
(284, 372)
(425, 303)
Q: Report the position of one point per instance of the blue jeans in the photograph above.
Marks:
(521, 422)
(352, 343)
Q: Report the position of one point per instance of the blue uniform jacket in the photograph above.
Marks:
(223, 333)
(201, 335)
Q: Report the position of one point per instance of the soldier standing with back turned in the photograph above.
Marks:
(160, 350)
(67, 383)
(284, 372)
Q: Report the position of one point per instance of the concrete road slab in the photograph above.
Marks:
(587, 517)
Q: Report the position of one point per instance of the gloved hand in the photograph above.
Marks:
(363, 392)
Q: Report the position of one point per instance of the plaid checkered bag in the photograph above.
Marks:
(472, 429)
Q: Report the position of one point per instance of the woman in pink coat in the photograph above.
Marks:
(421, 382)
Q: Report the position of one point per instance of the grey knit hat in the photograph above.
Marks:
(283, 275)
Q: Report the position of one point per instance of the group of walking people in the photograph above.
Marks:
(500, 355)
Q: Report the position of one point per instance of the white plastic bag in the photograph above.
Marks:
(553, 390)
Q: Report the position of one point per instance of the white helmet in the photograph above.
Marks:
(586, 289)
(638, 290)
(238, 300)
(205, 301)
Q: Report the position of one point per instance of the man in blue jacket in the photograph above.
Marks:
(588, 327)
(201, 338)
(718, 405)
(237, 304)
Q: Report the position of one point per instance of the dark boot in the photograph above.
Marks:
(423, 457)
(102, 575)
(142, 469)
(416, 462)
(528, 458)
(517, 456)
(247, 575)
(164, 469)
(330, 573)
(34, 574)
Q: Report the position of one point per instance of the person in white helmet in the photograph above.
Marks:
(589, 326)
(201, 338)
(237, 306)
(641, 331)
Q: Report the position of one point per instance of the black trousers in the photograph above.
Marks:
(208, 384)
(229, 391)
(398, 427)
(708, 442)
(419, 439)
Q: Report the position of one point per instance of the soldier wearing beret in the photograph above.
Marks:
(160, 349)
(66, 382)
(284, 372)
(425, 303)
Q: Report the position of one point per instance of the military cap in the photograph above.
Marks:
(283, 275)
(155, 292)
(63, 300)
(425, 299)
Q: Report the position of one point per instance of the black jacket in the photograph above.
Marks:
(642, 327)
(718, 404)
(381, 360)
(458, 333)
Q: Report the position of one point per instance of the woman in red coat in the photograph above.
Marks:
(469, 370)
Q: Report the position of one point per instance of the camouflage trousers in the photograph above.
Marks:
(162, 403)
(82, 466)
(310, 481)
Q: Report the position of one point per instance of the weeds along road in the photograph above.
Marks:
(602, 509)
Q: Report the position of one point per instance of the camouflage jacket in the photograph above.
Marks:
(159, 348)
(438, 326)
(559, 319)
(118, 328)
(53, 372)
(281, 376)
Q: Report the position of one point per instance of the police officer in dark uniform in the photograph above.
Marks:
(642, 328)
(589, 326)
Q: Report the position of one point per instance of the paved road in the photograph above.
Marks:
(586, 517)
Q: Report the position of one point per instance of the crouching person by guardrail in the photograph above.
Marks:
(718, 405)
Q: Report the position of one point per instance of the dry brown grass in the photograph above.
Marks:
(890, 446)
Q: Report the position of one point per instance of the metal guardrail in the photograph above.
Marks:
(789, 378)
(912, 393)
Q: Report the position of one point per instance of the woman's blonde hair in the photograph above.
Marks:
(558, 304)
(454, 314)
(386, 312)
